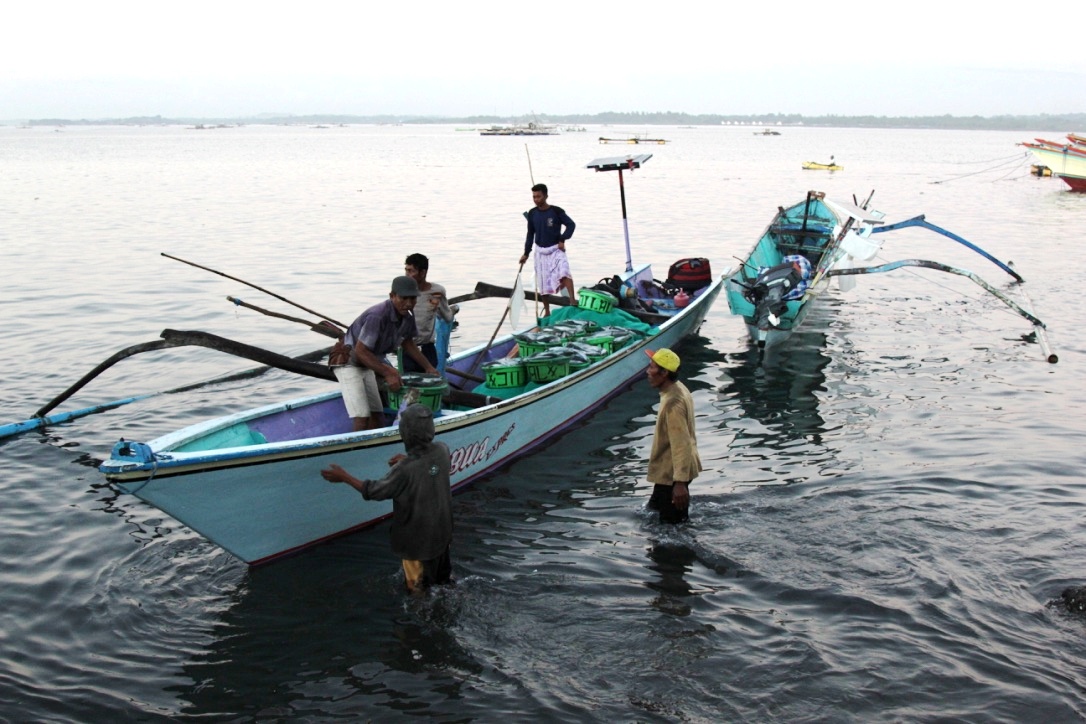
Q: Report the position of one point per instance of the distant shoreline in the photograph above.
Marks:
(1049, 122)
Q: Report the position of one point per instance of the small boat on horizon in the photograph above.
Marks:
(529, 129)
(637, 138)
(816, 166)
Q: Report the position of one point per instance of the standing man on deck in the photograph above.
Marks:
(546, 232)
(674, 461)
(432, 303)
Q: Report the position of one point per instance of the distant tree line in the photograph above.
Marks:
(1061, 122)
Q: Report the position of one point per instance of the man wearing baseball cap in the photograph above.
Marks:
(674, 461)
(381, 329)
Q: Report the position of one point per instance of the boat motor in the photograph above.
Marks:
(769, 291)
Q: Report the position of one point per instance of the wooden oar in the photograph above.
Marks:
(323, 327)
(254, 286)
(493, 291)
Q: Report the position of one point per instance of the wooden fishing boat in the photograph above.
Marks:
(529, 129)
(815, 240)
(634, 140)
(815, 166)
(250, 482)
(1066, 160)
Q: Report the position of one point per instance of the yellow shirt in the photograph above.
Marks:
(674, 453)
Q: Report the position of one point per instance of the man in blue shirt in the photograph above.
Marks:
(545, 231)
(381, 329)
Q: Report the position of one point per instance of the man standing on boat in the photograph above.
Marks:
(418, 484)
(674, 461)
(432, 303)
(378, 331)
(546, 233)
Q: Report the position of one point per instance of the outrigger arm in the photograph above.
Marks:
(923, 223)
(944, 268)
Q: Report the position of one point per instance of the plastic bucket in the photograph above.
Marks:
(532, 343)
(596, 300)
(503, 374)
(424, 389)
(604, 341)
(547, 366)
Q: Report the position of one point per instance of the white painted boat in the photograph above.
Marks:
(251, 483)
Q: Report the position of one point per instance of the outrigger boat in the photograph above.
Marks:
(250, 482)
(1066, 160)
(807, 244)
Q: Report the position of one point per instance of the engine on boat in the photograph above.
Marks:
(770, 291)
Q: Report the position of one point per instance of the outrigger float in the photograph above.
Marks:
(250, 482)
(809, 243)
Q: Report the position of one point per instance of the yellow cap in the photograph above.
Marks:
(664, 358)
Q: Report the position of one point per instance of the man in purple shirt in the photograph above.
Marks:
(381, 329)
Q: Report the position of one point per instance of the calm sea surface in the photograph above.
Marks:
(889, 508)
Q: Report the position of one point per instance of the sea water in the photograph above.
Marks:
(889, 507)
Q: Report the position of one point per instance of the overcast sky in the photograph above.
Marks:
(225, 59)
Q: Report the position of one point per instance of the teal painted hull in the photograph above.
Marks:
(260, 496)
(809, 229)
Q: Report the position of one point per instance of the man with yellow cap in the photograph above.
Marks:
(674, 461)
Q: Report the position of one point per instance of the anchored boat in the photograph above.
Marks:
(250, 482)
(1065, 160)
(807, 244)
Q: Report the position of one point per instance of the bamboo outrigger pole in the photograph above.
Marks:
(254, 286)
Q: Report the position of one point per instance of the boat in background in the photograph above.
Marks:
(530, 129)
(815, 240)
(250, 482)
(637, 138)
(1065, 160)
(816, 166)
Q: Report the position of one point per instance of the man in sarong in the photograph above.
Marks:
(549, 227)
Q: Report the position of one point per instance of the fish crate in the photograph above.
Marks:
(424, 389)
(547, 366)
(596, 301)
(506, 373)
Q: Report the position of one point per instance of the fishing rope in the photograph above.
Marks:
(154, 470)
(1012, 160)
(990, 160)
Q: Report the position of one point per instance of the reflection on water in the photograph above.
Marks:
(777, 389)
(303, 625)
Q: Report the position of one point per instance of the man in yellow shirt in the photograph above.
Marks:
(674, 461)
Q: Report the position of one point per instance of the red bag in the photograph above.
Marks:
(690, 274)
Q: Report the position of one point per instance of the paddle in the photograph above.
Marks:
(492, 291)
(322, 327)
(254, 286)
